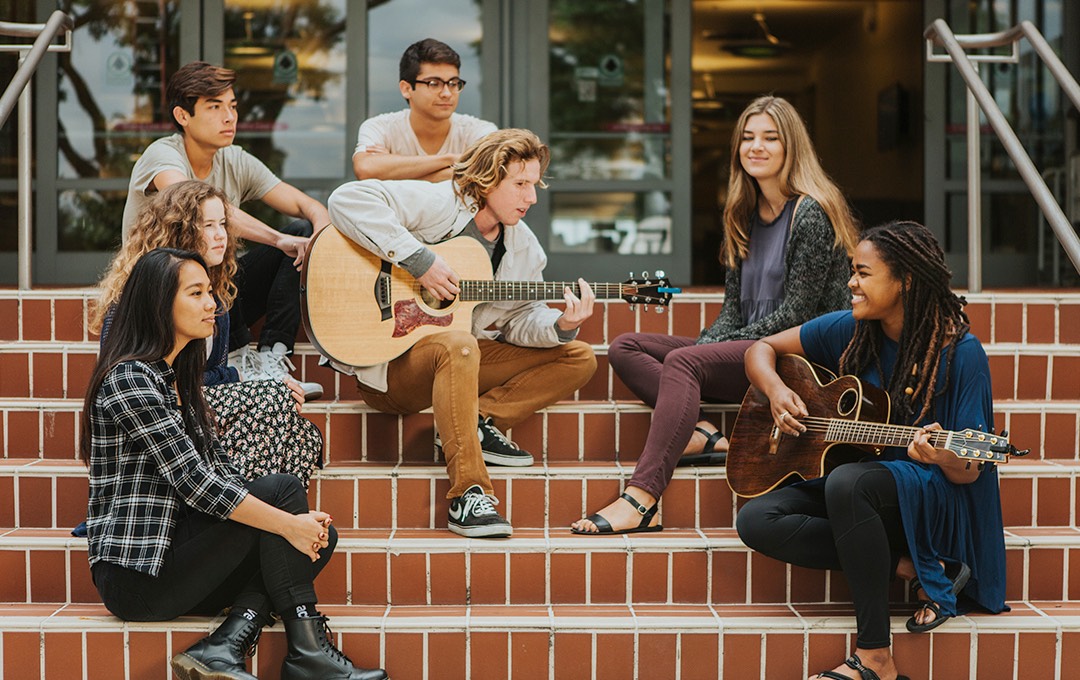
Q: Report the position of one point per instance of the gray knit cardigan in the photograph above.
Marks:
(815, 281)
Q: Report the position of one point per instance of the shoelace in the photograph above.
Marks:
(277, 366)
(241, 644)
(498, 435)
(480, 505)
(329, 646)
(250, 363)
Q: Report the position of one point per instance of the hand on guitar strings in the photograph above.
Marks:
(440, 280)
(787, 408)
(577, 309)
(923, 450)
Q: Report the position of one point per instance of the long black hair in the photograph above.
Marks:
(933, 316)
(143, 330)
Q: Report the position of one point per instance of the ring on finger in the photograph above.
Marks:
(783, 415)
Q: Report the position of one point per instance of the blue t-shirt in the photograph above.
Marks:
(942, 520)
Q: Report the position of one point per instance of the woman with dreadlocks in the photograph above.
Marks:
(920, 513)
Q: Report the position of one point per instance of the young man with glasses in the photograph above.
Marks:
(424, 140)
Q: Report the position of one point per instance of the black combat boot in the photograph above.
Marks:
(220, 655)
(312, 656)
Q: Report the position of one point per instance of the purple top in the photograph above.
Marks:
(763, 268)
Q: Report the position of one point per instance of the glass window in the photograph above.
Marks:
(289, 59)
(88, 220)
(627, 223)
(112, 83)
(610, 111)
(393, 25)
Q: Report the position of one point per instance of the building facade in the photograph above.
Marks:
(637, 99)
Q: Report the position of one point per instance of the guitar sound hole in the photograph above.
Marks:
(847, 402)
(433, 302)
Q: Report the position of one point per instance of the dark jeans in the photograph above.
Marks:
(851, 522)
(672, 374)
(267, 284)
(213, 564)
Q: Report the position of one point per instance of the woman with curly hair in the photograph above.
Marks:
(918, 512)
(259, 421)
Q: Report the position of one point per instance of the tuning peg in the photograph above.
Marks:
(660, 273)
(660, 309)
(645, 275)
(633, 307)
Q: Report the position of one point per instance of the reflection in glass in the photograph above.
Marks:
(625, 223)
(393, 25)
(89, 220)
(289, 58)
(610, 114)
(112, 83)
(9, 218)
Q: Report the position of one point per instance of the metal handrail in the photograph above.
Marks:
(939, 33)
(19, 89)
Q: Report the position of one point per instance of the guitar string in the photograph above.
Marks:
(877, 433)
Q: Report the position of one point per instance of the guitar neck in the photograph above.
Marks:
(966, 444)
(489, 291)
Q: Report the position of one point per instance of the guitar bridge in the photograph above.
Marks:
(381, 291)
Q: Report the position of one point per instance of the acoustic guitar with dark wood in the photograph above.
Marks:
(362, 311)
(848, 420)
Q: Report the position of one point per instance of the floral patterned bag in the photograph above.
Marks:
(261, 431)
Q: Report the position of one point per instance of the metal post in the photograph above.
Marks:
(974, 202)
(26, 236)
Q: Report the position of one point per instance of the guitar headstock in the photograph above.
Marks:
(983, 447)
(648, 289)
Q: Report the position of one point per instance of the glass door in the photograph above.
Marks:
(616, 116)
(95, 109)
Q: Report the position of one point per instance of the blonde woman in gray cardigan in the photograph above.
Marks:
(788, 236)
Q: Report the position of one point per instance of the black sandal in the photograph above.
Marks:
(604, 527)
(855, 663)
(707, 456)
(958, 573)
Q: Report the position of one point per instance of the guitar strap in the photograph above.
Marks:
(500, 250)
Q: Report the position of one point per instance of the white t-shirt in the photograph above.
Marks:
(393, 131)
(241, 176)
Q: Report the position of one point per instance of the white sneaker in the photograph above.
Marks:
(276, 365)
(248, 363)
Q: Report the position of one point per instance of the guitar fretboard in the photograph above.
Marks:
(489, 291)
(969, 444)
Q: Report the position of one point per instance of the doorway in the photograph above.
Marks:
(852, 69)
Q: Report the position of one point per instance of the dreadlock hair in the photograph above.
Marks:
(933, 316)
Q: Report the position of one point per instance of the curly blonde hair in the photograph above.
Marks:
(484, 164)
(801, 174)
(172, 220)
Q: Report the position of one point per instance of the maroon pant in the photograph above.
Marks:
(673, 375)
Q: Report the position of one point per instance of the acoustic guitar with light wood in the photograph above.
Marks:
(362, 311)
(848, 420)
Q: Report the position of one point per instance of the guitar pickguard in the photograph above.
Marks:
(408, 317)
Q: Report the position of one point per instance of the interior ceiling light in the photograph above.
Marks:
(764, 47)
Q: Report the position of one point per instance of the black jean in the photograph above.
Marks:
(213, 564)
(851, 522)
(268, 285)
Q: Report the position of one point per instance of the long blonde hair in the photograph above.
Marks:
(801, 174)
(172, 220)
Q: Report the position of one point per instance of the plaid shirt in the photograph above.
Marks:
(143, 467)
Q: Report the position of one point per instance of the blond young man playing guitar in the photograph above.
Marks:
(521, 356)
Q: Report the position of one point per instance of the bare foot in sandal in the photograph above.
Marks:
(704, 432)
(877, 661)
(633, 511)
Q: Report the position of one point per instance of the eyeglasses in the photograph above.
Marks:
(437, 84)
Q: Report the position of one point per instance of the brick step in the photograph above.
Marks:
(996, 316)
(51, 370)
(541, 567)
(580, 430)
(52, 494)
(562, 642)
